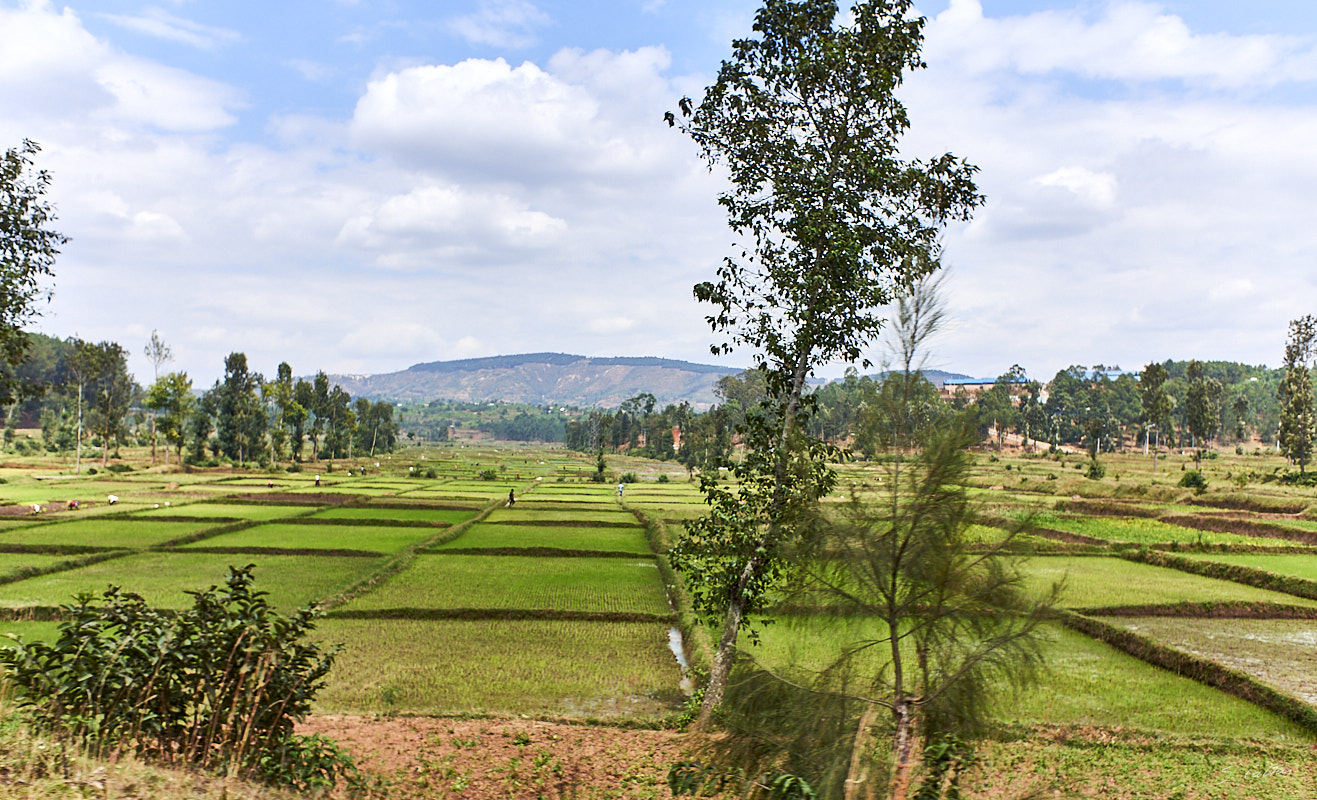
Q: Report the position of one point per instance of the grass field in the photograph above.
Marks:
(1091, 582)
(557, 667)
(1301, 566)
(375, 538)
(103, 532)
(1279, 652)
(607, 585)
(253, 511)
(164, 578)
(563, 537)
(445, 515)
(1154, 726)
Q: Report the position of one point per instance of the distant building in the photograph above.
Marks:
(973, 387)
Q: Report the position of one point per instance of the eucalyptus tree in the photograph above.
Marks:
(1298, 418)
(113, 391)
(239, 414)
(157, 352)
(834, 224)
(171, 398)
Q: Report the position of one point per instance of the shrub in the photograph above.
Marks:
(120, 468)
(1095, 470)
(1193, 479)
(629, 477)
(219, 685)
(663, 477)
(485, 474)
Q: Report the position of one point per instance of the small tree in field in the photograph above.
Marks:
(804, 118)
(1298, 418)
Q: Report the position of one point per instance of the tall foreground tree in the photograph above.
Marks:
(1298, 418)
(28, 247)
(804, 118)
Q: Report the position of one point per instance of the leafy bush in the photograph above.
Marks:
(486, 474)
(663, 477)
(120, 468)
(629, 477)
(1193, 479)
(1095, 470)
(219, 685)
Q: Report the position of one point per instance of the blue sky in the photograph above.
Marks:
(360, 186)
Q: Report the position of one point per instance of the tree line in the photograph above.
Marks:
(81, 394)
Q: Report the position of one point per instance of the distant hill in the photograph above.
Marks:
(544, 378)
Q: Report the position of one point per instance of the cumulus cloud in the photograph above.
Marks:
(449, 223)
(1127, 41)
(52, 68)
(1116, 212)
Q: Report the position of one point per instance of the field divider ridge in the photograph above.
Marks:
(87, 559)
(1236, 573)
(1239, 527)
(507, 614)
(206, 533)
(1189, 609)
(694, 636)
(403, 558)
(1196, 668)
(543, 552)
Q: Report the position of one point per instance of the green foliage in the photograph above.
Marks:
(1193, 479)
(484, 474)
(1298, 416)
(945, 760)
(27, 256)
(1096, 471)
(220, 684)
(629, 477)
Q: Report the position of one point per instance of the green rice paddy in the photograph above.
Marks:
(374, 538)
(600, 585)
(557, 667)
(164, 578)
(562, 537)
(1091, 582)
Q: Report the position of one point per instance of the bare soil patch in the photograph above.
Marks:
(483, 759)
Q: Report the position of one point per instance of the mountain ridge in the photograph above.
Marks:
(553, 379)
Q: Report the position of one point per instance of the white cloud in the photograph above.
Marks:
(161, 24)
(440, 224)
(500, 23)
(1098, 188)
(1129, 41)
(610, 325)
(53, 70)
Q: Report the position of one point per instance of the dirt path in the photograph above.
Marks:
(509, 759)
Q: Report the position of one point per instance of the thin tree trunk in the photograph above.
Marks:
(905, 749)
(722, 663)
(77, 459)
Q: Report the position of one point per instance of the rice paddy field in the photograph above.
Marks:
(448, 601)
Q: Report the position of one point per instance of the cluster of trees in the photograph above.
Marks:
(81, 392)
(1176, 403)
(699, 441)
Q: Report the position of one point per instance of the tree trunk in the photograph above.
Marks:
(904, 749)
(722, 660)
(77, 459)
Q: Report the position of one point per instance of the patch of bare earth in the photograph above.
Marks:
(507, 759)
